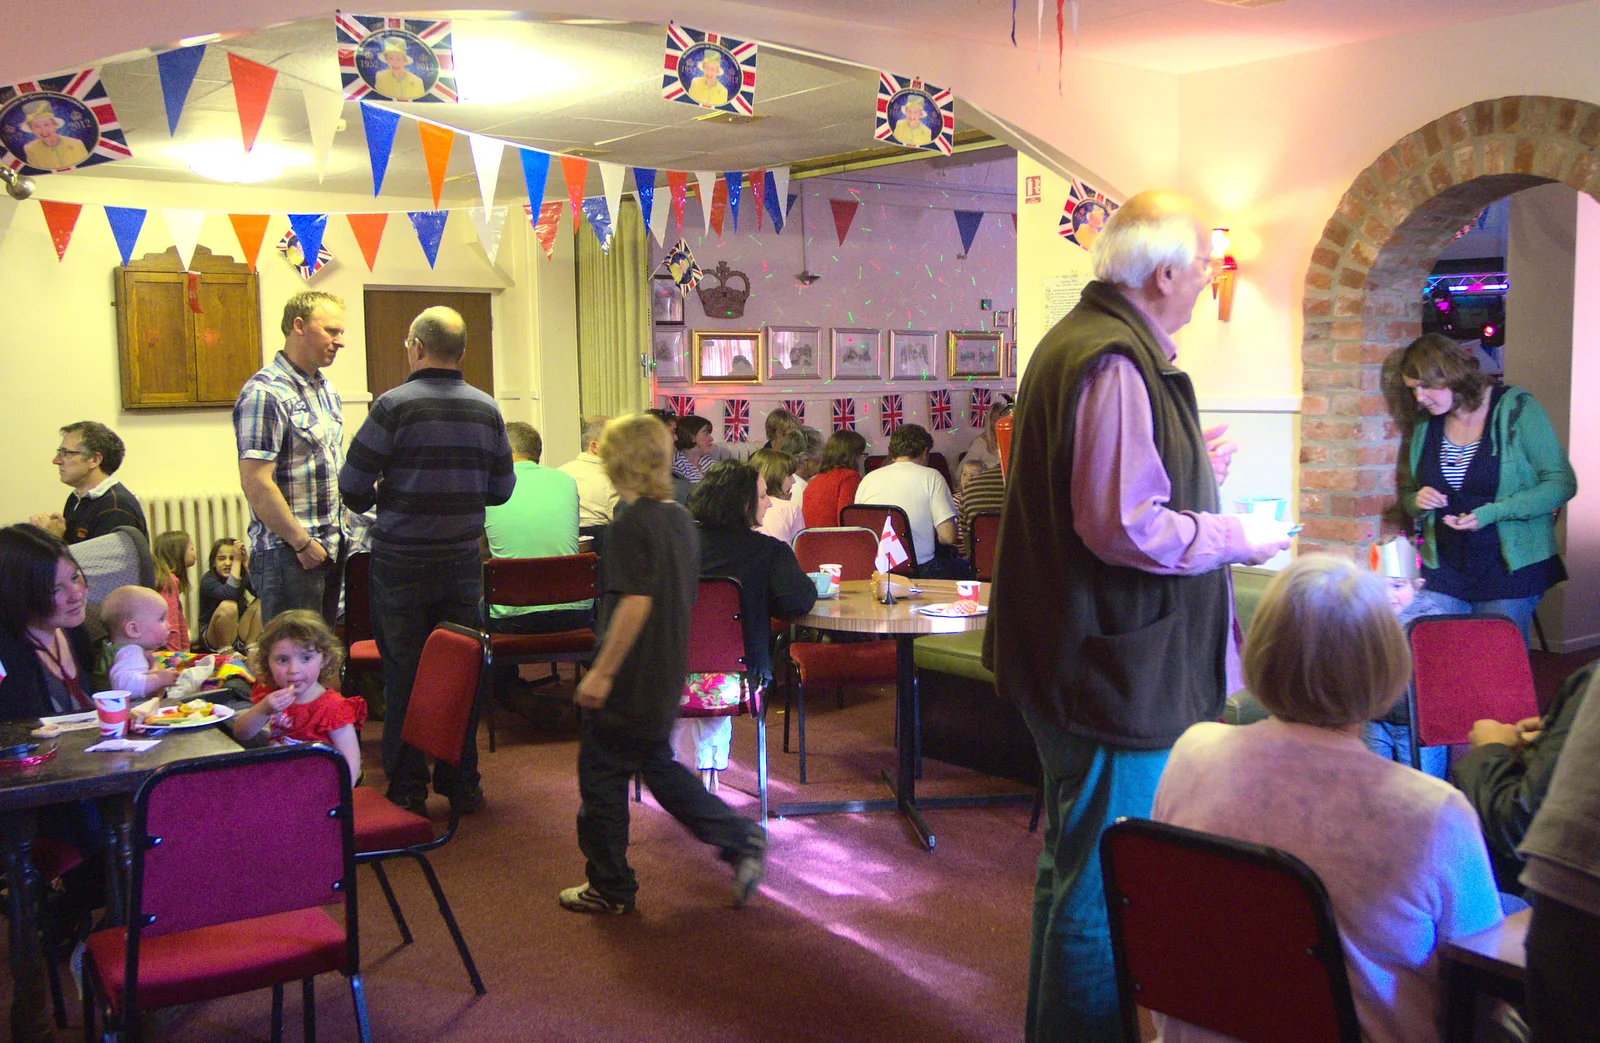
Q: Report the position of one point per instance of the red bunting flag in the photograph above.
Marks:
(436, 144)
(844, 212)
(576, 171)
(678, 182)
(719, 205)
(60, 218)
(252, 90)
(250, 229)
(545, 228)
(758, 193)
(368, 229)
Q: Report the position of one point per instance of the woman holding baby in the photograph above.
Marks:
(45, 650)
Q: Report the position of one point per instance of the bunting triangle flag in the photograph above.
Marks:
(644, 189)
(436, 144)
(252, 90)
(430, 230)
(844, 212)
(600, 220)
(706, 180)
(380, 125)
(967, 222)
(774, 203)
(575, 170)
(780, 182)
(125, 224)
(612, 175)
(490, 222)
(368, 229)
(177, 69)
(734, 180)
(308, 232)
(677, 182)
(719, 205)
(535, 172)
(185, 228)
(60, 218)
(546, 226)
(250, 230)
(486, 153)
(324, 113)
(758, 194)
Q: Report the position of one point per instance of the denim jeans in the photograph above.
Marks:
(282, 584)
(1518, 610)
(411, 594)
(1393, 742)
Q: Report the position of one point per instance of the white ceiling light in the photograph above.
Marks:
(228, 161)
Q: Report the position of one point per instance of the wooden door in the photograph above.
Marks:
(227, 336)
(157, 338)
(388, 318)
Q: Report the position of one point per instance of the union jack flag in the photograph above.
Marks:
(844, 414)
(678, 405)
(941, 415)
(83, 114)
(891, 412)
(934, 130)
(1084, 215)
(982, 399)
(362, 40)
(736, 420)
(682, 79)
(797, 406)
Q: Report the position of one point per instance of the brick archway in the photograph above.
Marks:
(1364, 288)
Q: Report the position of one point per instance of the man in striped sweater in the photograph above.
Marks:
(431, 455)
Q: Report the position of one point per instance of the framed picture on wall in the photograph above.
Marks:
(726, 356)
(666, 303)
(669, 358)
(794, 353)
(1011, 359)
(1002, 319)
(974, 353)
(913, 354)
(857, 354)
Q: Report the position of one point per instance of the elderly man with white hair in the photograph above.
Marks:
(1111, 618)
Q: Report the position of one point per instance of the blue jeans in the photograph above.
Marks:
(282, 583)
(1518, 610)
(1072, 983)
(411, 594)
(1393, 742)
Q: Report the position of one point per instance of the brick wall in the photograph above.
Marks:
(1364, 292)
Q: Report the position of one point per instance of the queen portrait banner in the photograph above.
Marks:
(59, 123)
(384, 58)
(709, 70)
(915, 114)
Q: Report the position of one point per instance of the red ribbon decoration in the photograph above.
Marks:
(194, 291)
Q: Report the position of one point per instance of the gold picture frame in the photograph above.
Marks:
(974, 353)
(716, 356)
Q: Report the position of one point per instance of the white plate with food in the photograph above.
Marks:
(952, 609)
(195, 713)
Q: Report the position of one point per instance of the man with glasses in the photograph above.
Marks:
(86, 460)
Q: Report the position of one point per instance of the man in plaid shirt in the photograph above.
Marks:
(289, 424)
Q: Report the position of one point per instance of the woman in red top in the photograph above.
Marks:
(835, 486)
(301, 655)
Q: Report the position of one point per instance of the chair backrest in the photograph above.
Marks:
(357, 607)
(445, 691)
(120, 558)
(874, 462)
(850, 547)
(526, 582)
(982, 535)
(1466, 668)
(871, 515)
(938, 462)
(1267, 968)
(716, 633)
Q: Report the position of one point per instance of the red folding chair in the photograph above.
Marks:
(360, 649)
(862, 662)
(1268, 969)
(716, 646)
(871, 515)
(276, 820)
(938, 462)
(1464, 669)
(872, 463)
(983, 534)
(533, 582)
(450, 679)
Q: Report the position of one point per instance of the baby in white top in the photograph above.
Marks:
(136, 618)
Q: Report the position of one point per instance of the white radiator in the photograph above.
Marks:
(206, 517)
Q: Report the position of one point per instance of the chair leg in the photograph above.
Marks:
(1538, 628)
(358, 995)
(394, 905)
(788, 702)
(277, 1013)
(450, 922)
(800, 725)
(488, 712)
(52, 967)
(308, 1009)
(88, 1004)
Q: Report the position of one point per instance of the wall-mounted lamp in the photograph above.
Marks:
(1226, 266)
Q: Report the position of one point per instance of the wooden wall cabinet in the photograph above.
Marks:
(173, 357)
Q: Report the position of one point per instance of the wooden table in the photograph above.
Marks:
(857, 611)
(1494, 962)
(71, 775)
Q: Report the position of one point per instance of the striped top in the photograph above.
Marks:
(1455, 459)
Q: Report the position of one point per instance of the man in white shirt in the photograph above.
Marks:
(596, 495)
(908, 483)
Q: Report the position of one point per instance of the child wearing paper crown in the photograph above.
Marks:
(1390, 735)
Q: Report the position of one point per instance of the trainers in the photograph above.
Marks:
(585, 899)
(750, 870)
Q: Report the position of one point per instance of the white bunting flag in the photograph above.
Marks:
(707, 180)
(659, 214)
(324, 110)
(612, 176)
(185, 228)
(486, 153)
(490, 223)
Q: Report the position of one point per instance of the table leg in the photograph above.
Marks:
(30, 1003)
(910, 729)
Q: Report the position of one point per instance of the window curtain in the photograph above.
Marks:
(614, 317)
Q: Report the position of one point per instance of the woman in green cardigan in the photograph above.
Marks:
(1486, 479)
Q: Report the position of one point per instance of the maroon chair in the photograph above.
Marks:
(360, 649)
(1465, 668)
(938, 462)
(533, 582)
(983, 534)
(1266, 970)
(716, 646)
(276, 822)
(450, 679)
(871, 515)
(850, 547)
(873, 463)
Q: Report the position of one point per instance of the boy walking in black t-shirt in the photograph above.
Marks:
(629, 698)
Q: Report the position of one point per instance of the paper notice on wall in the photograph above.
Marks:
(1061, 293)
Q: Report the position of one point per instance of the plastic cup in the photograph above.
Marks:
(112, 709)
(967, 590)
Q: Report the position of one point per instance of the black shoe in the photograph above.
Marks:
(750, 869)
(468, 802)
(417, 804)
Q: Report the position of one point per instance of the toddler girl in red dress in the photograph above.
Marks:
(295, 659)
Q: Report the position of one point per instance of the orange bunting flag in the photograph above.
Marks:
(719, 205)
(60, 218)
(678, 182)
(436, 144)
(368, 229)
(545, 228)
(252, 90)
(576, 171)
(250, 229)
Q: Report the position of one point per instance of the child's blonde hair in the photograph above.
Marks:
(170, 550)
(303, 627)
(637, 453)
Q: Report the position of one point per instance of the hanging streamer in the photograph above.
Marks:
(429, 225)
(437, 142)
(177, 69)
(1061, 41)
(380, 125)
(368, 230)
(252, 90)
(576, 171)
(250, 230)
(125, 223)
